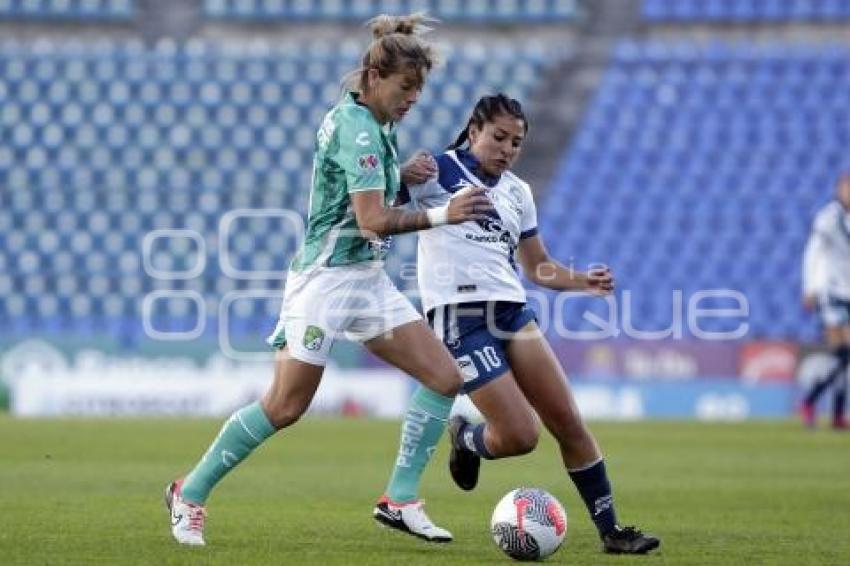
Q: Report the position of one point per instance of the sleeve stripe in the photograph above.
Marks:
(528, 233)
(364, 189)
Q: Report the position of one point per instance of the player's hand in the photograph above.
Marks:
(419, 168)
(810, 302)
(470, 203)
(600, 281)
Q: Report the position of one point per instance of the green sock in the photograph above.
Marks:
(422, 428)
(246, 429)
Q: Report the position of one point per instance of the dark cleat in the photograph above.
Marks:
(629, 540)
(464, 464)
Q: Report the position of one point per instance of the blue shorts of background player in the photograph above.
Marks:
(477, 335)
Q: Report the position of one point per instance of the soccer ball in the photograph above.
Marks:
(528, 524)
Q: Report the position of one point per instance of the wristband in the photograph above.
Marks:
(438, 216)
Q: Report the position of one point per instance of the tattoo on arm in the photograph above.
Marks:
(400, 222)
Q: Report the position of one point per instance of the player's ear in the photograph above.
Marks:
(372, 77)
(473, 133)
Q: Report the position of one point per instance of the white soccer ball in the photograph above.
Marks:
(529, 524)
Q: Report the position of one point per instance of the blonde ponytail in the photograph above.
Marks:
(397, 46)
(412, 24)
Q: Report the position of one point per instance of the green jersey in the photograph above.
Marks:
(353, 153)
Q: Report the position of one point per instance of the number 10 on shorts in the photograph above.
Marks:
(488, 358)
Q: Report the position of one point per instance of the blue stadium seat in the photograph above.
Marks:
(745, 10)
(467, 11)
(105, 142)
(83, 10)
(708, 161)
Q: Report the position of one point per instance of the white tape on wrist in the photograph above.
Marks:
(438, 216)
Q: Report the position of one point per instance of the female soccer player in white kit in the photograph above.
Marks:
(476, 303)
(826, 286)
(337, 286)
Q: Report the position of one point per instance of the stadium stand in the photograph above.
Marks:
(731, 11)
(83, 10)
(470, 11)
(105, 142)
(700, 167)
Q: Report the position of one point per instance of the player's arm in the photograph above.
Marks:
(542, 269)
(374, 219)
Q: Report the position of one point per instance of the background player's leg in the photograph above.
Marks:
(839, 404)
(840, 353)
(414, 349)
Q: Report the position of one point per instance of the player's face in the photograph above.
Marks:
(497, 143)
(393, 96)
(844, 192)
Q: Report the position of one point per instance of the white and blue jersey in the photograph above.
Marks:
(826, 264)
(472, 261)
(468, 279)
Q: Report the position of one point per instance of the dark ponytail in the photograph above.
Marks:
(486, 110)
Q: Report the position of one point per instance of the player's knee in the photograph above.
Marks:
(520, 440)
(284, 414)
(445, 379)
(450, 386)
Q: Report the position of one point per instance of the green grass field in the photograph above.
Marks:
(89, 492)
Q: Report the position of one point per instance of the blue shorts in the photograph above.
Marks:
(479, 347)
(835, 311)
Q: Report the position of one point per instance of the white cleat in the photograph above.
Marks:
(409, 518)
(187, 519)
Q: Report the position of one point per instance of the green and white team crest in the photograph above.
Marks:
(313, 338)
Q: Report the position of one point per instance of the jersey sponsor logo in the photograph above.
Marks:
(491, 225)
(313, 338)
(368, 162)
(379, 247)
(483, 239)
(467, 288)
(362, 139)
(467, 368)
(494, 221)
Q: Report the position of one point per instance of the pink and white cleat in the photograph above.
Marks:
(187, 519)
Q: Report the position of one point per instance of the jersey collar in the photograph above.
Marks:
(472, 163)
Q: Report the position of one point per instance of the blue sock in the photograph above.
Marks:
(471, 437)
(595, 490)
(422, 428)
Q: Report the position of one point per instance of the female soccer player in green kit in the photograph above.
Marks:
(337, 286)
